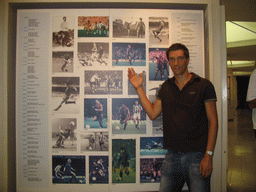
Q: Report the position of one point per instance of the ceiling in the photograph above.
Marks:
(241, 35)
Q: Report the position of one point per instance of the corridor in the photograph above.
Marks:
(241, 176)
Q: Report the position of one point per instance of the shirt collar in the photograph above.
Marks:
(193, 78)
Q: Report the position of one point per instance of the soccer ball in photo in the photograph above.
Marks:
(117, 128)
(94, 178)
(87, 126)
(119, 179)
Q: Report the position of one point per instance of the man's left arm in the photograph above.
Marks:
(206, 163)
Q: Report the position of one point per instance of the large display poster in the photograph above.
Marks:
(79, 122)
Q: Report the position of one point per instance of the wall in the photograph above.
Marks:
(216, 67)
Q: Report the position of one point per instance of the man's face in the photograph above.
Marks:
(178, 62)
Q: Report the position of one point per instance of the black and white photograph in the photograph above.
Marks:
(63, 31)
(62, 62)
(98, 169)
(157, 124)
(95, 113)
(68, 169)
(128, 116)
(65, 94)
(150, 170)
(93, 26)
(64, 137)
(93, 54)
(94, 141)
(128, 54)
(103, 82)
(158, 31)
(129, 27)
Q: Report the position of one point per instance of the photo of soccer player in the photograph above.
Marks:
(103, 82)
(123, 160)
(128, 116)
(152, 146)
(65, 94)
(62, 61)
(158, 64)
(129, 27)
(157, 127)
(158, 30)
(150, 170)
(62, 31)
(93, 54)
(98, 169)
(64, 136)
(93, 26)
(68, 169)
(94, 141)
(95, 113)
(128, 54)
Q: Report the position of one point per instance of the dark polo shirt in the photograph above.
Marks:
(185, 123)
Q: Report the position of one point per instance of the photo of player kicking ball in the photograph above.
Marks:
(128, 116)
(124, 161)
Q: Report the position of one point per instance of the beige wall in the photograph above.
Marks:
(217, 75)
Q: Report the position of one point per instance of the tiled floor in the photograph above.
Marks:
(241, 153)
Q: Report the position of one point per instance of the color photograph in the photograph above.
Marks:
(123, 160)
(98, 169)
(128, 54)
(128, 116)
(93, 26)
(150, 170)
(152, 146)
(95, 113)
(158, 64)
(68, 169)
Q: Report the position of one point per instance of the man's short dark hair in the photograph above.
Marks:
(175, 47)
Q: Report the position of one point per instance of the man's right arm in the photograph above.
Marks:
(153, 110)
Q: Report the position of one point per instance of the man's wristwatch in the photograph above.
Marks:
(209, 153)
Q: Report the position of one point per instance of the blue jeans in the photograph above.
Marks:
(178, 168)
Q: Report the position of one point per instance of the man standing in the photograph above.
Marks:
(98, 107)
(188, 105)
(69, 171)
(137, 108)
(124, 113)
(140, 27)
(64, 31)
(251, 98)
